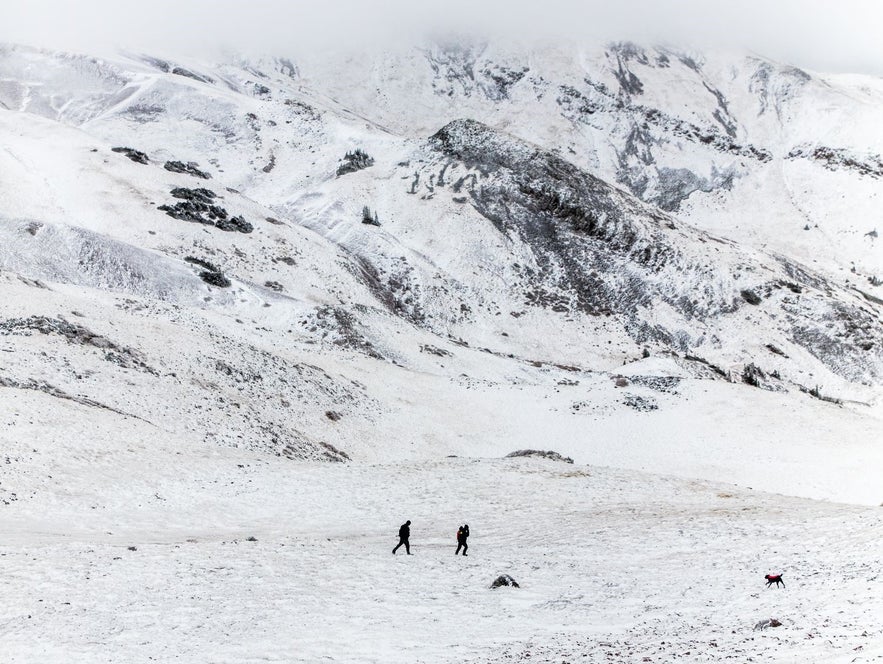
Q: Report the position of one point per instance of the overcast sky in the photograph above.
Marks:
(825, 35)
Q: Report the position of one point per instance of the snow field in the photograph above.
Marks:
(652, 566)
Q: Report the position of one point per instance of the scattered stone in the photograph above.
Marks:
(135, 155)
(641, 404)
(190, 168)
(769, 622)
(133, 548)
(504, 580)
(548, 454)
(251, 539)
(667, 384)
(333, 415)
(274, 285)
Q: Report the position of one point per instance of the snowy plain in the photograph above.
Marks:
(138, 549)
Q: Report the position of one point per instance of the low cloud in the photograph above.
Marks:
(816, 34)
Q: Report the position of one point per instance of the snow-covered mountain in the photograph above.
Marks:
(639, 257)
(536, 211)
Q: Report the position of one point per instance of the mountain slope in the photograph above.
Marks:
(209, 201)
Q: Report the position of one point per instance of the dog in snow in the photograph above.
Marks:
(774, 578)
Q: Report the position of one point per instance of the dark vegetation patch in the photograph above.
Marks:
(354, 161)
(369, 218)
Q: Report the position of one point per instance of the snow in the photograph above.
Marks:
(686, 488)
(640, 565)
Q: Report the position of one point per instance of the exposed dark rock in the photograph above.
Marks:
(701, 360)
(237, 223)
(190, 168)
(333, 415)
(753, 375)
(433, 350)
(765, 624)
(237, 375)
(331, 453)
(641, 404)
(211, 274)
(355, 161)
(74, 333)
(274, 285)
(51, 390)
(833, 159)
(775, 350)
(198, 206)
(549, 454)
(181, 71)
(751, 297)
(345, 327)
(504, 580)
(817, 393)
(667, 384)
(135, 155)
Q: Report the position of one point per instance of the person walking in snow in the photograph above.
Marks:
(404, 535)
(462, 534)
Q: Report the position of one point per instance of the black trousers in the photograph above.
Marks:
(404, 541)
(463, 545)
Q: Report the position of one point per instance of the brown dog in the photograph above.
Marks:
(774, 578)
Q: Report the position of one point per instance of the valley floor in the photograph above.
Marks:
(614, 566)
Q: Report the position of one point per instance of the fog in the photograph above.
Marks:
(815, 34)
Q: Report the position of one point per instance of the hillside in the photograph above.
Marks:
(303, 300)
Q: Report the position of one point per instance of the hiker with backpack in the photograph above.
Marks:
(462, 535)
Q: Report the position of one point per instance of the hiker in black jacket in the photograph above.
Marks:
(462, 535)
(404, 534)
